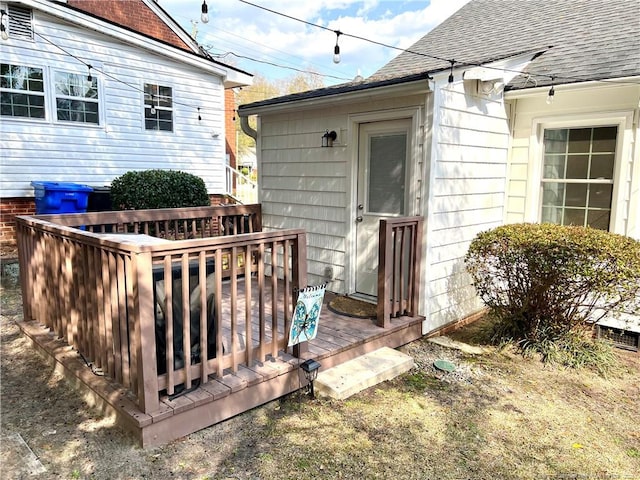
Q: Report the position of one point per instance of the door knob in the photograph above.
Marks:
(359, 219)
(361, 207)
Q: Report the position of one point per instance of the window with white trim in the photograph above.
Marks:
(21, 91)
(77, 98)
(158, 107)
(577, 177)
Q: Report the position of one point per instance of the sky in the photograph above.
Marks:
(248, 31)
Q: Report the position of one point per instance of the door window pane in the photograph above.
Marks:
(387, 174)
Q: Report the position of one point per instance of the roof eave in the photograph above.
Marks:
(525, 92)
(229, 75)
(351, 93)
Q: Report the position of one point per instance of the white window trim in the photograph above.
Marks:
(622, 119)
(45, 94)
(53, 97)
(173, 108)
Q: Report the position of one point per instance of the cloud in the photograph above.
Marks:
(250, 31)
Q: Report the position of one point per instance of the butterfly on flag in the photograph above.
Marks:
(306, 315)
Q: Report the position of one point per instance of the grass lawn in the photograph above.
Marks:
(498, 416)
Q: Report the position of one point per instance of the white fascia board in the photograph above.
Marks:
(543, 91)
(174, 53)
(414, 87)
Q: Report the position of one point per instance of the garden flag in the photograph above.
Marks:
(306, 316)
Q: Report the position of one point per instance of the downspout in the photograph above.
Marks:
(246, 128)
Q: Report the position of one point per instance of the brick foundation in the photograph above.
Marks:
(9, 208)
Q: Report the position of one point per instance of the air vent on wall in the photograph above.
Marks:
(20, 22)
(620, 338)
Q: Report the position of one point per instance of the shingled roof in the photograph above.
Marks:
(589, 39)
(582, 40)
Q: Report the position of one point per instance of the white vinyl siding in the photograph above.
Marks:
(467, 195)
(303, 185)
(54, 150)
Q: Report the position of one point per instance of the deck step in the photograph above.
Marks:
(362, 372)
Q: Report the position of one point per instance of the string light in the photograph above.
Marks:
(89, 77)
(205, 12)
(336, 49)
(309, 72)
(4, 23)
(451, 71)
(199, 116)
(552, 93)
(422, 54)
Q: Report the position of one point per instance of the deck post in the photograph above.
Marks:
(385, 272)
(145, 343)
(299, 263)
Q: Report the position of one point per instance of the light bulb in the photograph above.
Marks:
(205, 13)
(3, 25)
(336, 54)
(551, 96)
(153, 110)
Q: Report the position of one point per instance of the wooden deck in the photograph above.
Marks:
(109, 292)
(339, 339)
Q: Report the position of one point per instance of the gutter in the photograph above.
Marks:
(246, 128)
(574, 86)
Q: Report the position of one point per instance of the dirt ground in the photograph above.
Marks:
(497, 416)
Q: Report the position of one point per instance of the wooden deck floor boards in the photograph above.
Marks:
(339, 338)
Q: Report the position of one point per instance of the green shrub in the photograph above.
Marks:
(544, 283)
(158, 189)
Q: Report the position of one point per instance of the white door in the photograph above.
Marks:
(383, 179)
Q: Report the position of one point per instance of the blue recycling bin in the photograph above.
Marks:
(61, 197)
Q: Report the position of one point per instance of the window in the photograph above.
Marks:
(158, 107)
(76, 98)
(577, 178)
(21, 91)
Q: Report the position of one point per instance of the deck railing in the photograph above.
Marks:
(400, 252)
(158, 315)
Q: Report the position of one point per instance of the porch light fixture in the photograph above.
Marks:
(328, 138)
(4, 24)
(336, 49)
(205, 12)
(310, 368)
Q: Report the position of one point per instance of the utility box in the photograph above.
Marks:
(61, 197)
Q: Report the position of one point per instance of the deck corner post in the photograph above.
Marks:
(299, 263)
(145, 343)
(417, 248)
(385, 272)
